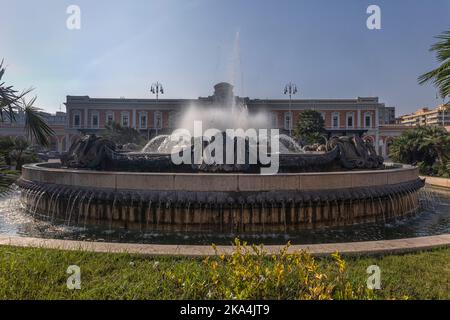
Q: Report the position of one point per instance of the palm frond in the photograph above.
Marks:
(35, 127)
(440, 77)
(10, 99)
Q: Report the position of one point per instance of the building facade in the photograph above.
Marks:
(58, 122)
(365, 116)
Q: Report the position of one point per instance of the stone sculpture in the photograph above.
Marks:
(92, 152)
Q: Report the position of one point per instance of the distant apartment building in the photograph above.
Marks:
(438, 116)
(387, 115)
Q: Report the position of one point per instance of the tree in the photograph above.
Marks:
(12, 102)
(122, 135)
(6, 146)
(438, 140)
(426, 146)
(440, 77)
(21, 153)
(310, 127)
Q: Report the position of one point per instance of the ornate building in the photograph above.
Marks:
(363, 116)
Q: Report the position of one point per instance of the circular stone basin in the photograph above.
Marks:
(209, 202)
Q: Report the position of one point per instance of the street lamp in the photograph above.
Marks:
(156, 89)
(290, 88)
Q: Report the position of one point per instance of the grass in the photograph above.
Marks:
(27, 273)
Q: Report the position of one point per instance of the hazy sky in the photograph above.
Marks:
(189, 45)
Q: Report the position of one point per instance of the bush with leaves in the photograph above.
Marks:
(310, 127)
(122, 135)
(6, 146)
(22, 153)
(250, 272)
(425, 146)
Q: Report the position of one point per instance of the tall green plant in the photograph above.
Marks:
(21, 153)
(12, 102)
(426, 146)
(310, 127)
(440, 77)
(122, 135)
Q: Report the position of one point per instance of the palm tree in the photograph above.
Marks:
(12, 102)
(440, 77)
(412, 147)
(21, 153)
(438, 140)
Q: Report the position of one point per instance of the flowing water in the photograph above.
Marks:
(434, 219)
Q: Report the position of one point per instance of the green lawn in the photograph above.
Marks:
(41, 274)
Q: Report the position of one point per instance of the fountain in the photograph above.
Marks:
(97, 183)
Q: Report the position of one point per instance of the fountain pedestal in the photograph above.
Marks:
(219, 203)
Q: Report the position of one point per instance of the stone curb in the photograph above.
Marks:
(350, 248)
(437, 182)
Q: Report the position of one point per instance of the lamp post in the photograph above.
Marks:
(156, 89)
(291, 89)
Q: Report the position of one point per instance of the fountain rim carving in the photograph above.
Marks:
(222, 182)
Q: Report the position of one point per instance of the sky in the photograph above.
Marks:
(122, 47)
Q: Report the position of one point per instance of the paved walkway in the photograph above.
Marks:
(353, 248)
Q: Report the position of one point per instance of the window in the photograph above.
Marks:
(274, 120)
(94, 120)
(335, 122)
(125, 119)
(350, 120)
(77, 119)
(109, 118)
(142, 120)
(367, 120)
(173, 119)
(288, 120)
(158, 120)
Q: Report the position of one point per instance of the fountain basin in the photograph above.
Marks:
(214, 202)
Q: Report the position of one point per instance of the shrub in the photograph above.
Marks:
(250, 272)
(310, 127)
(428, 147)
